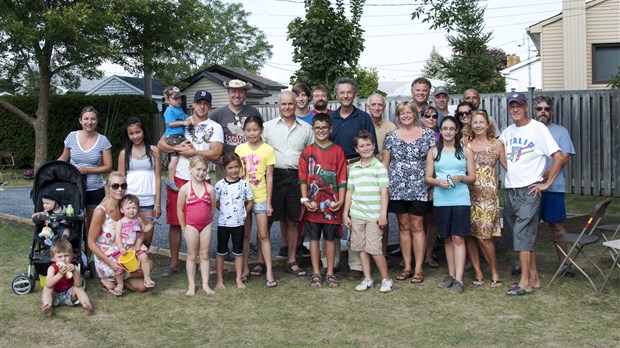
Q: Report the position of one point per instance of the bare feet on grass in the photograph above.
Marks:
(207, 289)
(191, 291)
(240, 284)
(88, 308)
(220, 285)
(149, 283)
(47, 310)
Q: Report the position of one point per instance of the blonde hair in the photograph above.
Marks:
(108, 182)
(400, 107)
(490, 128)
(198, 159)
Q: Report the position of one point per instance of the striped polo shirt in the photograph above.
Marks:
(366, 183)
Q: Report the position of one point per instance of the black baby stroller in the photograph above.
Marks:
(65, 182)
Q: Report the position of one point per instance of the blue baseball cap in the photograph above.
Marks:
(518, 97)
(202, 95)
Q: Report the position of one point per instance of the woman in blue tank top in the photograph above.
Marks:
(449, 168)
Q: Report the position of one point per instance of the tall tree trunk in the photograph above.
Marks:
(148, 84)
(41, 123)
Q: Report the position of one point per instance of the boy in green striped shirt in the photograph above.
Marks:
(365, 210)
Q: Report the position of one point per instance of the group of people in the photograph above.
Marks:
(315, 170)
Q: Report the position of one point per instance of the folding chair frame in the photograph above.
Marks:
(579, 241)
(613, 246)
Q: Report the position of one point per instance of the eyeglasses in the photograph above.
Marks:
(122, 186)
(435, 116)
(320, 129)
(541, 108)
(464, 113)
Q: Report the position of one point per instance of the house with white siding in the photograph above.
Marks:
(116, 84)
(579, 47)
(525, 74)
(264, 91)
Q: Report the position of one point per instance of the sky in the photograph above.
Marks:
(395, 45)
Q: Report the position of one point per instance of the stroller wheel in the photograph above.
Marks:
(22, 284)
(83, 282)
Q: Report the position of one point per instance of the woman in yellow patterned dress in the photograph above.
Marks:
(485, 222)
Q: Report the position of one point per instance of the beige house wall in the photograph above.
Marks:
(552, 55)
(219, 93)
(602, 26)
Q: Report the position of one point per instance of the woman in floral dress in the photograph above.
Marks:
(485, 222)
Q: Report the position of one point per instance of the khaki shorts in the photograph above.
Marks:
(366, 236)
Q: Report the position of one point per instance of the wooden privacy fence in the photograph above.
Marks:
(592, 118)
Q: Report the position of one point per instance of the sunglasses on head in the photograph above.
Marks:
(464, 113)
(431, 116)
(122, 186)
(541, 108)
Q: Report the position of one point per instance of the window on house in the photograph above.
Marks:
(605, 62)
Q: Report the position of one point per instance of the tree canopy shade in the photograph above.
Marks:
(61, 40)
(326, 43)
(472, 64)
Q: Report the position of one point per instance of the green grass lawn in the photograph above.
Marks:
(567, 314)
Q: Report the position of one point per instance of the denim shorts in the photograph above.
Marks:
(259, 208)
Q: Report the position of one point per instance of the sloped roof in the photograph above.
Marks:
(138, 82)
(224, 74)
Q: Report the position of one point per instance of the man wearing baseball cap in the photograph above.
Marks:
(440, 101)
(527, 144)
(204, 138)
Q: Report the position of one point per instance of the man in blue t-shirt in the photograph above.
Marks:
(552, 205)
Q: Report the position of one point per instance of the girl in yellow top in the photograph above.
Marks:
(258, 161)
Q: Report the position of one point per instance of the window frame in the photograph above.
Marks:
(595, 46)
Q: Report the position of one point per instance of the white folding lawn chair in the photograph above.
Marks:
(606, 230)
(614, 249)
(578, 241)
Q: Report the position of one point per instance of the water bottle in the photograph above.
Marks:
(70, 210)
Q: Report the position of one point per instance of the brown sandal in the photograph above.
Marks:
(404, 275)
(418, 278)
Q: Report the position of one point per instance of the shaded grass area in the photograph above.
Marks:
(567, 314)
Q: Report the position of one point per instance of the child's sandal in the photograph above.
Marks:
(332, 281)
(315, 281)
(118, 290)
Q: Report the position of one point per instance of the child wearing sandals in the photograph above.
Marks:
(365, 210)
(130, 236)
(195, 212)
(258, 160)
(323, 167)
(63, 284)
(234, 201)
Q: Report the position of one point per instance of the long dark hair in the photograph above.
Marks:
(129, 145)
(458, 147)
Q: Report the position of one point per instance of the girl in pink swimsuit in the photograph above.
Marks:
(195, 213)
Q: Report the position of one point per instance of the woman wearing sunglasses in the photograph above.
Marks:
(430, 115)
(101, 238)
(463, 118)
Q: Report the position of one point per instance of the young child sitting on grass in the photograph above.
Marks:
(63, 283)
(365, 210)
(129, 235)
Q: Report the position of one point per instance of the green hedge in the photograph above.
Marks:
(17, 136)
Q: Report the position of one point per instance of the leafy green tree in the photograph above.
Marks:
(43, 40)
(434, 66)
(615, 80)
(472, 65)
(367, 81)
(326, 43)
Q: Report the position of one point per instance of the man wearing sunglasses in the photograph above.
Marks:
(552, 204)
(527, 144)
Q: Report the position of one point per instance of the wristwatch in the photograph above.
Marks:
(304, 200)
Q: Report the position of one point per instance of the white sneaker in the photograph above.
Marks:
(364, 285)
(386, 285)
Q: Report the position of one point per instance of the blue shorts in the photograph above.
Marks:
(259, 208)
(453, 221)
(147, 208)
(552, 207)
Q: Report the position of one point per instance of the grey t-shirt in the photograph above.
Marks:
(232, 124)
